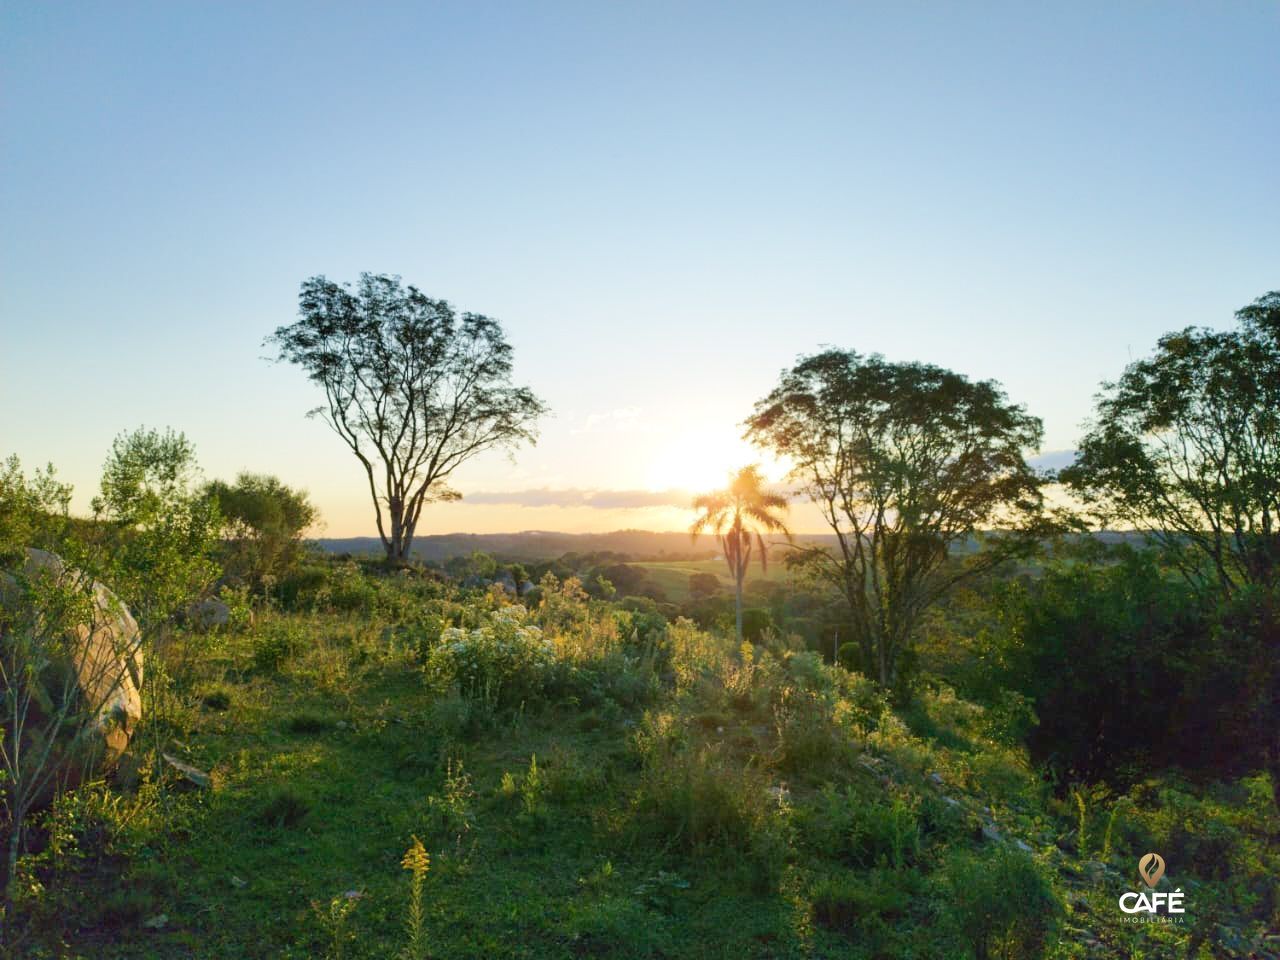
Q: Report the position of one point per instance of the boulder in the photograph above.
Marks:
(102, 664)
(208, 614)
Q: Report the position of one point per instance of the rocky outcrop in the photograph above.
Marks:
(97, 660)
(208, 614)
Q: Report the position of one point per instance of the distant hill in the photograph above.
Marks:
(544, 545)
(548, 545)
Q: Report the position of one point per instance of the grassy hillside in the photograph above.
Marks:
(672, 576)
(587, 785)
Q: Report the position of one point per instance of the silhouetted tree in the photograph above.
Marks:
(414, 388)
(1186, 447)
(906, 462)
(739, 516)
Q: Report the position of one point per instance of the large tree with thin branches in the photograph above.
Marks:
(1185, 447)
(413, 387)
(921, 475)
(740, 515)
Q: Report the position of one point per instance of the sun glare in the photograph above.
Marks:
(699, 463)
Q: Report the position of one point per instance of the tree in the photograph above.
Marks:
(414, 388)
(703, 586)
(908, 463)
(1185, 446)
(262, 523)
(157, 526)
(739, 516)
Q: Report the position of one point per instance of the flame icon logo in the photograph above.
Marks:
(1151, 868)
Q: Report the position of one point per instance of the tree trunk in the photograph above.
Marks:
(738, 602)
(398, 550)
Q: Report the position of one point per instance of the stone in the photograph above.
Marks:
(105, 668)
(187, 773)
(208, 614)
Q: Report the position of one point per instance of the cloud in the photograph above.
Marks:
(593, 499)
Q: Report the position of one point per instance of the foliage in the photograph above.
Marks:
(417, 861)
(411, 386)
(1128, 672)
(159, 527)
(1186, 446)
(908, 463)
(34, 511)
(263, 521)
(1001, 904)
(150, 540)
(504, 661)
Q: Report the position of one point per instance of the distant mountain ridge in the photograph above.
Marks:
(544, 544)
(548, 544)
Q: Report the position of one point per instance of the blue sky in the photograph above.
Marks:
(664, 203)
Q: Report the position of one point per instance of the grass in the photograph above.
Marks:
(673, 576)
(753, 807)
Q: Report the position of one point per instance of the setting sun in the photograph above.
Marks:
(699, 462)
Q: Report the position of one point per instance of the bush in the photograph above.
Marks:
(263, 520)
(861, 831)
(1129, 671)
(275, 643)
(697, 797)
(1000, 904)
(867, 907)
(505, 661)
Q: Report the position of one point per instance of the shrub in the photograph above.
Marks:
(449, 812)
(1001, 904)
(275, 643)
(697, 798)
(219, 698)
(862, 831)
(1078, 642)
(867, 906)
(505, 661)
(263, 521)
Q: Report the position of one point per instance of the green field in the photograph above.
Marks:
(672, 576)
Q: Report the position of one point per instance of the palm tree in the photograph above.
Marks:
(738, 515)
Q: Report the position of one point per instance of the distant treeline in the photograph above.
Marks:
(546, 545)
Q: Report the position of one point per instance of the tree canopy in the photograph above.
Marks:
(1185, 446)
(413, 387)
(907, 462)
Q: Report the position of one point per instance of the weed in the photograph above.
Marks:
(417, 862)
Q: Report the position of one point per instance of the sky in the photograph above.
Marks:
(665, 204)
